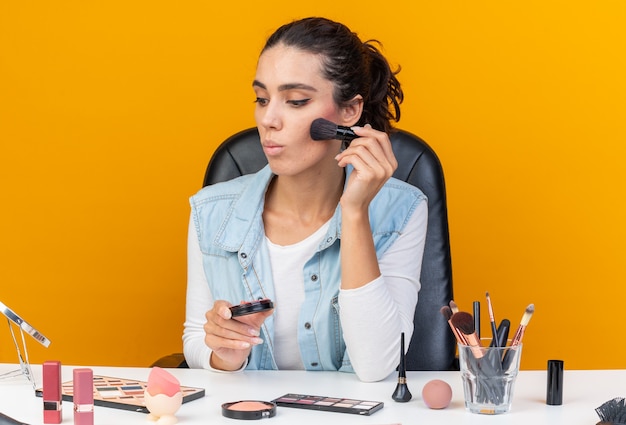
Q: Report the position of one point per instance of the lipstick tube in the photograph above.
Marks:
(554, 390)
(52, 413)
(83, 396)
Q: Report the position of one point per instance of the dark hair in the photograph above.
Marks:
(355, 67)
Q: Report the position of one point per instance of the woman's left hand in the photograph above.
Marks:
(374, 163)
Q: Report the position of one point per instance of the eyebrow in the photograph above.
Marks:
(285, 87)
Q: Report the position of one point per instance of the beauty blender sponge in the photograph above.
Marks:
(437, 394)
(161, 381)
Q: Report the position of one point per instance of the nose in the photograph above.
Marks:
(269, 116)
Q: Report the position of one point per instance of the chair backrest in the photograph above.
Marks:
(432, 346)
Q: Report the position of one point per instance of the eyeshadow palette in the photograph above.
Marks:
(329, 404)
(119, 393)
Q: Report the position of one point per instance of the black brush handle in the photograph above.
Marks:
(487, 370)
(508, 357)
(476, 311)
(503, 333)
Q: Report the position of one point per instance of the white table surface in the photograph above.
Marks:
(583, 392)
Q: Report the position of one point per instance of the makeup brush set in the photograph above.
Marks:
(613, 412)
(488, 367)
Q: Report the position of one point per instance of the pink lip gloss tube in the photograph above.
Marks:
(83, 396)
(52, 413)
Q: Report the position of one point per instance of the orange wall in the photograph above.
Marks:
(110, 110)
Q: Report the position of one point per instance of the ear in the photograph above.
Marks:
(351, 111)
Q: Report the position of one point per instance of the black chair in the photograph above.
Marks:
(432, 346)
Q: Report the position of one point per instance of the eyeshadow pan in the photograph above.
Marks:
(363, 406)
(131, 387)
(109, 392)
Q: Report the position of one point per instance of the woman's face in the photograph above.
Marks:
(290, 94)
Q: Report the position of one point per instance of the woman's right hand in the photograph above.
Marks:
(231, 339)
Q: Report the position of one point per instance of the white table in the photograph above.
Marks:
(583, 392)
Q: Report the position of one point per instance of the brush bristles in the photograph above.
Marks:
(489, 307)
(322, 129)
(464, 322)
(454, 307)
(527, 315)
(446, 312)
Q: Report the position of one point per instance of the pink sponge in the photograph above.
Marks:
(161, 381)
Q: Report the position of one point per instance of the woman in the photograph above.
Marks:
(324, 232)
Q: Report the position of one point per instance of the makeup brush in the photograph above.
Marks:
(402, 393)
(519, 334)
(464, 322)
(494, 331)
(503, 333)
(322, 129)
(453, 307)
(612, 412)
(447, 314)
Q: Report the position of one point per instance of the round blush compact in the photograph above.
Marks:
(249, 409)
(251, 307)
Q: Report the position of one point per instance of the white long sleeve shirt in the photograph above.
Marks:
(370, 309)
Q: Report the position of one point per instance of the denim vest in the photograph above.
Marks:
(229, 225)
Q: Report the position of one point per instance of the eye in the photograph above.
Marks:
(261, 101)
(299, 102)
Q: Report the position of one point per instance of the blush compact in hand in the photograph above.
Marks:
(251, 307)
